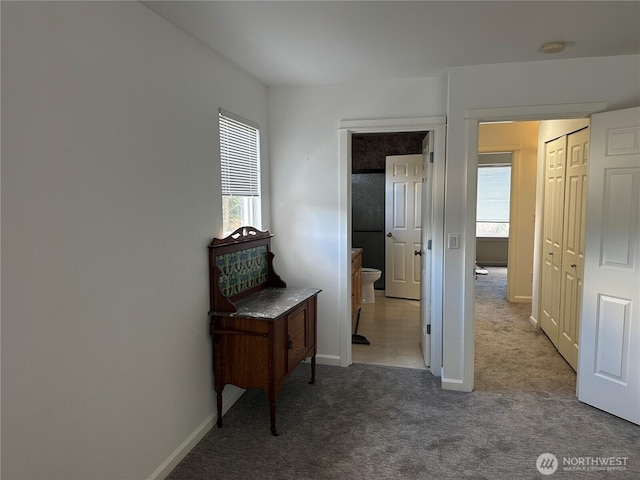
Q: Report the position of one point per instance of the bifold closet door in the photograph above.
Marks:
(573, 234)
(555, 153)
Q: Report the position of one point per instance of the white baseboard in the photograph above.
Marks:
(332, 360)
(454, 384)
(533, 321)
(521, 299)
(230, 396)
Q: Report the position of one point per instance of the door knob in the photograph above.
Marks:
(417, 252)
(389, 234)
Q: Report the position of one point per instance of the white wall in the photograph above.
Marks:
(110, 194)
(308, 182)
(533, 87)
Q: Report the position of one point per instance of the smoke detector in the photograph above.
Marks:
(552, 47)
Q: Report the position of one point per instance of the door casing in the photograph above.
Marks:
(436, 126)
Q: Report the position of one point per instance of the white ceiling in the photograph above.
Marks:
(329, 42)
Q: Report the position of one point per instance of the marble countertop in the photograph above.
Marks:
(270, 303)
(354, 252)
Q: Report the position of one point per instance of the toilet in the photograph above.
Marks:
(369, 276)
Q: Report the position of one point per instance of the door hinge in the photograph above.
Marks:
(430, 157)
(428, 244)
(429, 329)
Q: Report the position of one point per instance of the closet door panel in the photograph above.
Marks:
(573, 245)
(552, 237)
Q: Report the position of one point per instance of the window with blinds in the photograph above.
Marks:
(240, 171)
(494, 195)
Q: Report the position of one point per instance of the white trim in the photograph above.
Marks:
(332, 360)
(437, 126)
(514, 223)
(536, 112)
(344, 254)
(534, 323)
(521, 299)
(238, 118)
(453, 384)
(183, 449)
(437, 248)
(410, 124)
(230, 396)
(166, 467)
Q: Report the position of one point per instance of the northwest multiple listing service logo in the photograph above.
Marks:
(548, 463)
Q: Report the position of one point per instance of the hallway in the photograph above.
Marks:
(510, 354)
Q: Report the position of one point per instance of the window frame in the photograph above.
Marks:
(498, 235)
(237, 154)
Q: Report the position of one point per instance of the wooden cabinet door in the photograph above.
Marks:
(356, 282)
(298, 336)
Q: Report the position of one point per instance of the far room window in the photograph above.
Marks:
(240, 172)
(494, 193)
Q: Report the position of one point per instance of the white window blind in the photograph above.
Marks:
(239, 156)
(494, 191)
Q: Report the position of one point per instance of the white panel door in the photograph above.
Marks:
(403, 222)
(575, 191)
(609, 357)
(552, 237)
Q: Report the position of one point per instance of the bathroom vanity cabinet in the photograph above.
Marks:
(356, 278)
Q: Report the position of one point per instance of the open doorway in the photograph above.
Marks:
(390, 326)
(508, 155)
(504, 333)
(431, 311)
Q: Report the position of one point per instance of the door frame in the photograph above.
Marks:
(473, 117)
(426, 279)
(436, 126)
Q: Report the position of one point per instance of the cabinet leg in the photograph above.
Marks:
(272, 414)
(219, 407)
(313, 370)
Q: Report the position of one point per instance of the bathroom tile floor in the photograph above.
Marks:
(392, 325)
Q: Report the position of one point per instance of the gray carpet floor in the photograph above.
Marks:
(376, 422)
(510, 354)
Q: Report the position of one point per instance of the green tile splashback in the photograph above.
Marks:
(242, 270)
